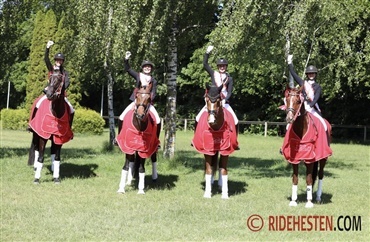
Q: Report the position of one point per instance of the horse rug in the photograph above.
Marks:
(312, 147)
(45, 124)
(209, 141)
(131, 140)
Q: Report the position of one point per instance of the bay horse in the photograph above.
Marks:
(50, 118)
(215, 137)
(138, 140)
(306, 141)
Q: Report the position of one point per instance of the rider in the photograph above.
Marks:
(218, 78)
(311, 90)
(58, 66)
(142, 79)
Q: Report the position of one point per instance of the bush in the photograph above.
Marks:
(87, 122)
(14, 119)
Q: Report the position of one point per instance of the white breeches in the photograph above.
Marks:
(65, 99)
(131, 107)
(316, 114)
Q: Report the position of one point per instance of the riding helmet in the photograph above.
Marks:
(59, 56)
(146, 62)
(311, 69)
(222, 61)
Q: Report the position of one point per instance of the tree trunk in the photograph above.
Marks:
(110, 80)
(170, 120)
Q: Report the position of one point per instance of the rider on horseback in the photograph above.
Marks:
(311, 89)
(143, 78)
(219, 78)
(58, 67)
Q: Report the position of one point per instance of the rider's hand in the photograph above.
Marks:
(289, 59)
(49, 44)
(209, 49)
(128, 54)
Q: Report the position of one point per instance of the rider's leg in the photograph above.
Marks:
(236, 121)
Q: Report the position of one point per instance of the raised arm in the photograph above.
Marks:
(47, 59)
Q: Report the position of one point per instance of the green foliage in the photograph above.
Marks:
(87, 122)
(14, 119)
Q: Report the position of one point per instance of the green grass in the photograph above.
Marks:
(86, 207)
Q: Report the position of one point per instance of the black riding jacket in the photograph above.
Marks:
(51, 68)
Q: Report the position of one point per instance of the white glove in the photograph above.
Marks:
(289, 59)
(49, 44)
(128, 54)
(209, 49)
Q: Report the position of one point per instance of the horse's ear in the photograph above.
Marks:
(207, 86)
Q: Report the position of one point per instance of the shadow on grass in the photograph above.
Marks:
(71, 170)
(302, 198)
(164, 182)
(235, 187)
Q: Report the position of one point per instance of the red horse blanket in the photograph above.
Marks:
(311, 148)
(131, 140)
(45, 124)
(208, 141)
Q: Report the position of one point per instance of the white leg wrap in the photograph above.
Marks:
(309, 193)
(131, 166)
(319, 190)
(52, 157)
(294, 192)
(141, 183)
(225, 189)
(122, 183)
(56, 165)
(208, 188)
(220, 178)
(37, 155)
(154, 171)
(38, 167)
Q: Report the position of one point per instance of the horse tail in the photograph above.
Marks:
(31, 155)
(314, 172)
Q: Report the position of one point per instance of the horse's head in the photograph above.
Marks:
(213, 101)
(55, 87)
(142, 102)
(294, 102)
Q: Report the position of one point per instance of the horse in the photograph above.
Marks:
(138, 140)
(215, 137)
(304, 142)
(50, 118)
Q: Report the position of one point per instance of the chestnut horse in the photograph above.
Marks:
(302, 143)
(50, 119)
(215, 135)
(138, 140)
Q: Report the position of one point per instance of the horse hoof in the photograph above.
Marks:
(141, 192)
(128, 183)
(293, 204)
(36, 181)
(207, 195)
(225, 196)
(56, 180)
(309, 205)
(121, 190)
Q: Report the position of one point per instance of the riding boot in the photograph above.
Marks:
(237, 134)
(195, 127)
(120, 122)
(328, 137)
(71, 119)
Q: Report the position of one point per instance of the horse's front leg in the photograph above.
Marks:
(141, 185)
(40, 160)
(293, 201)
(124, 173)
(224, 176)
(309, 169)
(322, 164)
(208, 176)
(55, 161)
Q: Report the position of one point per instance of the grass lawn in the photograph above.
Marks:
(86, 207)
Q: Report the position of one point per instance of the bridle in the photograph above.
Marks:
(215, 105)
(295, 113)
(142, 104)
(54, 79)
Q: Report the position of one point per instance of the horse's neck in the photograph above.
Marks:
(58, 107)
(220, 120)
(300, 125)
(139, 125)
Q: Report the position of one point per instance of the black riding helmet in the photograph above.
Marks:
(59, 56)
(146, 62)
(222, 61)
(311, 69)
